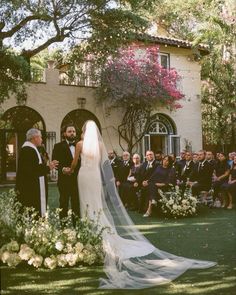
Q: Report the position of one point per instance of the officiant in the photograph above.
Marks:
(32, 173)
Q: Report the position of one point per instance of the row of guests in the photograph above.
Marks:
(134, 178)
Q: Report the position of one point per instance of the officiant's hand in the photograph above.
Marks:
(53, 164)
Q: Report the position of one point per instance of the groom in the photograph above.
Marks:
(64, 152)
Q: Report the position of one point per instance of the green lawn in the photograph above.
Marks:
(210, 236)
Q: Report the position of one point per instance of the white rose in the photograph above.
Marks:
(59, 246)
(61, 260)
(193, 210)
(79, 247)
(36, 261)
(5, 256)
(171, 202)
(50, 262)
(72, 258)
(175, 207)
(13, 246)
(26, 252)
(13, 259)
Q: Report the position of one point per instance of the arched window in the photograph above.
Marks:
(14, 124)
(78, 118)
(161, 135)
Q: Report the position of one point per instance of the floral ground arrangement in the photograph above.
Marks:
(178, 203)
(46, 242)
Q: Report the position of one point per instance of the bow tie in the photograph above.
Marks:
(71, 143)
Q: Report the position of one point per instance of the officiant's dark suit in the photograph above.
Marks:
(67, 184)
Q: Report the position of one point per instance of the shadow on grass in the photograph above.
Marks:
(70, 281)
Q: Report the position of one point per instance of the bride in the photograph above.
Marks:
(131, 261)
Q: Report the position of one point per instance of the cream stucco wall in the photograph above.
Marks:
(53, 102)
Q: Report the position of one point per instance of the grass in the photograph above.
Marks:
(209, 236)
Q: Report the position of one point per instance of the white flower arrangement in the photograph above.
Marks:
(47, 241)
(177, 203)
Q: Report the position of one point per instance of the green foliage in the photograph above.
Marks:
(211, 22)
(97, 26)
(14, 71)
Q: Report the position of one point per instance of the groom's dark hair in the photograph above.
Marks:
(64, 128)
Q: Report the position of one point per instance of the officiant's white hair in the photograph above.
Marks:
(31, 133)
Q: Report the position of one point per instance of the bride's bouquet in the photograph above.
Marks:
(177, 203)
(46, 241)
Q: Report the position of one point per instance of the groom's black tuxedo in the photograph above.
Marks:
(67, 184)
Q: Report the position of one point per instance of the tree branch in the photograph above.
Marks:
(21, 24)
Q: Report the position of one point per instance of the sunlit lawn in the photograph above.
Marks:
(210, 236)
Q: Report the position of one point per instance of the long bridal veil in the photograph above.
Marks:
(131, 261)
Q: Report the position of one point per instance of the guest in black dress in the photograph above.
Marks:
(163, 177)
(221, 174)
(230, 187)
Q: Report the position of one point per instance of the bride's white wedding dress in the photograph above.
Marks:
(131, 261)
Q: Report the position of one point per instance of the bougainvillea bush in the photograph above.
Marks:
(135, 76)
(135, 81)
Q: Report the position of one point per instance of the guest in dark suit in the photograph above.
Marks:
(210, 159)
(181, 163)
(162, 178)
(145, 172)
(32, 173)
(159, 157)
(186, 170)
(130, 186)
(123, 172)
(201, 176)
(115, 163)
(64, 152)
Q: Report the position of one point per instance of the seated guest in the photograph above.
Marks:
(145, 172)
(195, 158)
(210, 159)
(182, 159)
(158, 157)
(115, 162)
(185, 172)
(123, 172)
(174, 163)
(130, 186)
(162, 178)
(220, 174)
(201, 177)
(230, 186)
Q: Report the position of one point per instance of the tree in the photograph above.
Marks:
(137, 83)
(212, 22)
(34, 25)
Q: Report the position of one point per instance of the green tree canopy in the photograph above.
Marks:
(212, 22)
(33, 25)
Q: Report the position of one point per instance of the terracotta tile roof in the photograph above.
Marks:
(204, 49)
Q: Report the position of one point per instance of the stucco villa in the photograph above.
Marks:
(53, 102)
